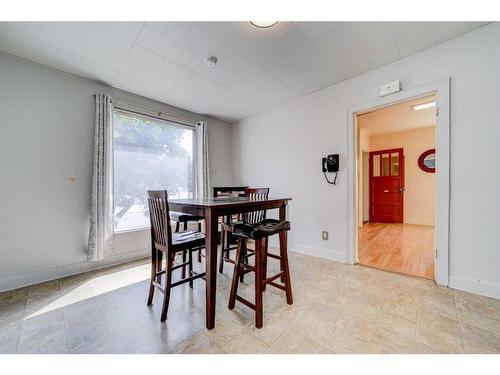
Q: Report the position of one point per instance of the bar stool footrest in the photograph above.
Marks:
(245, 302)
(159, 286)
(160, 273)
(247, 268)
(187, 279)
(273, 256)
(229, 260)
(282, 287)
(179, 265)
(271, 279)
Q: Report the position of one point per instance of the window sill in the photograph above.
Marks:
(133, 230)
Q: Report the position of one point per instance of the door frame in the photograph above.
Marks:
(441, 89)
(400, 176)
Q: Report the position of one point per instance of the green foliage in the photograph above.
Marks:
(148, 155)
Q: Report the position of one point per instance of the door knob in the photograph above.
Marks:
(401, 189)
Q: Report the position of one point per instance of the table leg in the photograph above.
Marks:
(211, 222)
(282, 218)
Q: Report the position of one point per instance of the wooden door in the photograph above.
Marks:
(386, 185)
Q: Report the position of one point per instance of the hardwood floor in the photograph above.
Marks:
(403, 248)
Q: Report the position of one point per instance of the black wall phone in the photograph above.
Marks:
(331, 164)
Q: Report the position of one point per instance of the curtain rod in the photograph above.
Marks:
(185, 121)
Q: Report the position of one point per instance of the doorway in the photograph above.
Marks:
(441, 89)
(399, 235)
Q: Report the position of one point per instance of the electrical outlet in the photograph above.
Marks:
(324, 235)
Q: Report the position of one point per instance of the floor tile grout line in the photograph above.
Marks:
(460, 325)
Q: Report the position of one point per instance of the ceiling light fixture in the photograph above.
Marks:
(263, 24)
(419, 107)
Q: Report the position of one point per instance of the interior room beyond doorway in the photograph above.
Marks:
(396, 187)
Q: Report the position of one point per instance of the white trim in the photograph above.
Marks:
(132, 230)
(482, 287)
(69, 270)
(442, 90)
(335, 255)
(156, 115)
(338, 256)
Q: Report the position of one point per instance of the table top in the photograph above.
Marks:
(224, 201)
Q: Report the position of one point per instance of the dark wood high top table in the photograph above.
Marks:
(212, 209)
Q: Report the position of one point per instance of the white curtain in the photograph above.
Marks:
(202, 173)
(101, 214)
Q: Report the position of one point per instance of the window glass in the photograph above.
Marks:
(394, 164)
(148, 154)
(376, 165)
(385, 165)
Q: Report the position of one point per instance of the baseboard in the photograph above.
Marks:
(420, 222)
(481, 287)
(69, 270)
(337, 256)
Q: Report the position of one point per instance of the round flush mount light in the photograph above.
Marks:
(263, 24)
(211, 61)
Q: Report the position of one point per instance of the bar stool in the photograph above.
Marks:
(260, 232)
(164, 241)
(254, 194)
(225, 237)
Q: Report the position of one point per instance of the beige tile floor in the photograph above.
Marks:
(337, 309)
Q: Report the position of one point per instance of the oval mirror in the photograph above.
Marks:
(427, 161)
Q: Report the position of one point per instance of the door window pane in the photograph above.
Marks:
(376, 165)
(148, 154)
(385, 165)
(395, 164)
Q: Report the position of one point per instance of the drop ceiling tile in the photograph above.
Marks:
(125, 30)
(262, 48)
(355, 47)
(413, 37)
(90, 41)
(145, 72)
(232, 69)
(19, 45)
(477, 25)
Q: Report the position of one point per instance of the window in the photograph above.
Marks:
(148, 154)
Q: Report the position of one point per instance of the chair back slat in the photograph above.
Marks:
(255, 194)
(161, 232)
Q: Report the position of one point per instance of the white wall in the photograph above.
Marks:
(47, 126)
(282, 148)
(420, 195)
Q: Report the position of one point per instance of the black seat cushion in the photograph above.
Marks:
(265, 228)
(182, 217)
(188, 238)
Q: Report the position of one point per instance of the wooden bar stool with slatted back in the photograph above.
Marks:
(183, 218)
(164, 241)
(226, 240)
(260, 233)
(249, 217)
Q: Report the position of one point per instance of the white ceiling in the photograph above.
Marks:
(398, 117)
(256, 70)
